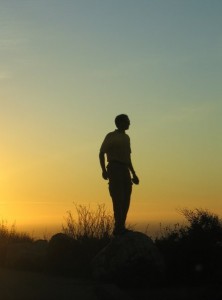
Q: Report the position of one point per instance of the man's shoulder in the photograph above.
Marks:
(116, 133)
(110, 134)
(108, 137)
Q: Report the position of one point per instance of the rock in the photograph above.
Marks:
(27, 255)
(60, 252)
(131, 258)
(41, 245)
(60, 243)
(40, 250)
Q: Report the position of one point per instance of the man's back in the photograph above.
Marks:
(116, 145)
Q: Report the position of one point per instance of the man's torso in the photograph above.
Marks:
(116, 145)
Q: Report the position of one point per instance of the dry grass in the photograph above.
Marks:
(9, 234)
(92, 224)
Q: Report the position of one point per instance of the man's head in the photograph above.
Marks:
(122, 122)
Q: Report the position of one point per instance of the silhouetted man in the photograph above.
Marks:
(116, 147)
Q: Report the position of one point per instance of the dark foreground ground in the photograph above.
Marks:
(23, 285)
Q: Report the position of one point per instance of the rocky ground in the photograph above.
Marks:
(24, 285)
(131, 261)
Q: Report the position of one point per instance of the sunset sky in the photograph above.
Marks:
(68, 67)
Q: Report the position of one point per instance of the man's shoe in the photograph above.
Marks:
(121, 231)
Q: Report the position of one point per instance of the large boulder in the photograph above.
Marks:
(130, 258)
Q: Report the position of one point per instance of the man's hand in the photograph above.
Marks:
(135, 179)
(105, 175)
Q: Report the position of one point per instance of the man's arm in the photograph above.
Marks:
(135, 179)
(103, 165)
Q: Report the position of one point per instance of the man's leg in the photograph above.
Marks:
(126, 200)
(127, 194)
(117, 193)
(118, 199)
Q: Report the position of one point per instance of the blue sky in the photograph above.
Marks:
(67, 68)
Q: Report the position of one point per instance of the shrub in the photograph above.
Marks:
(10, 236)
(90, 223)
(193, 251)
(203, 223)
(89, 233)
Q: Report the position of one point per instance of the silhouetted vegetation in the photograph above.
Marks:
(9, 236)
(86, 235)
(90, 224)
(193, 252)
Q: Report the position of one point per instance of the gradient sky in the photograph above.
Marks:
(67, 68)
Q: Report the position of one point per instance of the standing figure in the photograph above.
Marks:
(116, 148)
